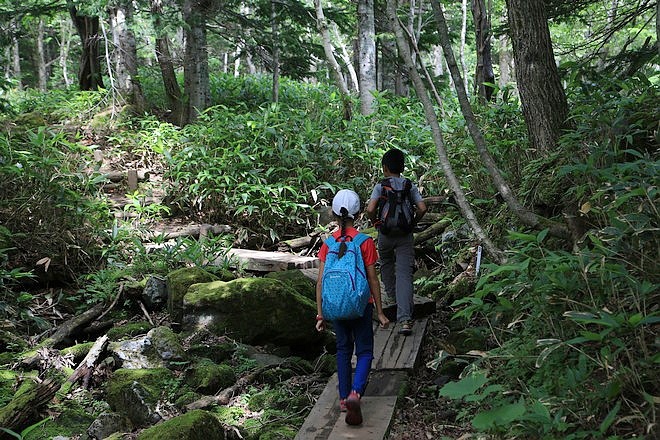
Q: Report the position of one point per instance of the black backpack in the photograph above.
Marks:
(395, 209)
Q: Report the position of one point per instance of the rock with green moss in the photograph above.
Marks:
(178, 283)
(135, 393)
(208, 377)
(256, 311)
(276, 433)
(7, 379)
(127, 330)
(72, 420)
(167, 344)
(186, 398)
(218, 352)
(194, 425)
(297, 280)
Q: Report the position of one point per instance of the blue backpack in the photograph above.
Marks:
(345, 289)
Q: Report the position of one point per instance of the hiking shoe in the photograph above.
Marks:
(353, 411)
(342, 405)
(406, 328)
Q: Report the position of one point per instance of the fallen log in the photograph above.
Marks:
(432, 231)
(17, 413)
(64, 330)
(118, 176)
(193, 231)
(86, 367)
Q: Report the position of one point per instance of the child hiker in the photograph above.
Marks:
(354, 334)
(394, 208)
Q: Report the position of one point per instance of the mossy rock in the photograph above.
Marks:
(277, 433)
(167, 344)
(129, 330)
(7, 379)
(30, 120)
(73, 420)
(186, 398)
(178, 283)
(194, 425)
(297, 280)
(222, 273)
(135, 393)
(208, 377)
(217, 353)
(257, 311)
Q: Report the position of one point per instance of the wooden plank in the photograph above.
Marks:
(377, 414)
(385, 383)
(322, 418)
(263, 261)
(399, 352)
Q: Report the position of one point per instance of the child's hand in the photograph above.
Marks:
(320, 325)
(384, 322)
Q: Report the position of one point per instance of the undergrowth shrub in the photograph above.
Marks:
(573, 333)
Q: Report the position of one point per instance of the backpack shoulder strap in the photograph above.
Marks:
(360, 238)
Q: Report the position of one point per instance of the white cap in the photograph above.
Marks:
(348, 199)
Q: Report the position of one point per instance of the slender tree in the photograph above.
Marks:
(275, 43)
(164, 58)
(542, 97)
(436, 133)
(367, 55)
(335, 69)
(484, 71)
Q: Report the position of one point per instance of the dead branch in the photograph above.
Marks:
(86, 367)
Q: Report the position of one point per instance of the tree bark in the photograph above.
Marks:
(367, 55)
(276, 50)
(432, 120)
(16, 55)
(484, 70)
(164, 57)
(527, 217)
(463, 36)
(89, 74)
(335, 69)
(65, 44)
(505, 62)
(40, 57)
(130, 90)
(196, 63)
(542, 97)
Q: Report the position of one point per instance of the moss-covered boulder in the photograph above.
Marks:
(257, 311)
(195, 425)
(72, 420)
(208, 377)
(297, 280)
(78, 351)
(135, 393)
(178, 283)
(167, 344)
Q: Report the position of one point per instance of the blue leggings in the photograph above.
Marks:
(359, 334)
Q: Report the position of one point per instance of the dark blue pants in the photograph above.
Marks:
(355, 334)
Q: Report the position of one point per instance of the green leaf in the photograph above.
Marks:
(500, 416)
(609, 419)
(464, 387)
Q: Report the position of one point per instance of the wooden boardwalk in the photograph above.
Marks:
(395, 357)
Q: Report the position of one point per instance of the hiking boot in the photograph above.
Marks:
(353, 411)
(406, 328)
(342, 405)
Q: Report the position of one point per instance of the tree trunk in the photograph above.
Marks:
(276, 50)
(349, 65)
(505, 62)
(527, 217)
(432, 120)
(484, 71)
(171, 85)
(196, 63)
(335, 69)
(542, 97)
(40, 57)
(89, 74)
(367, 55)
(463, 35)
(130, 91)
(16, 55)
(65, 44)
